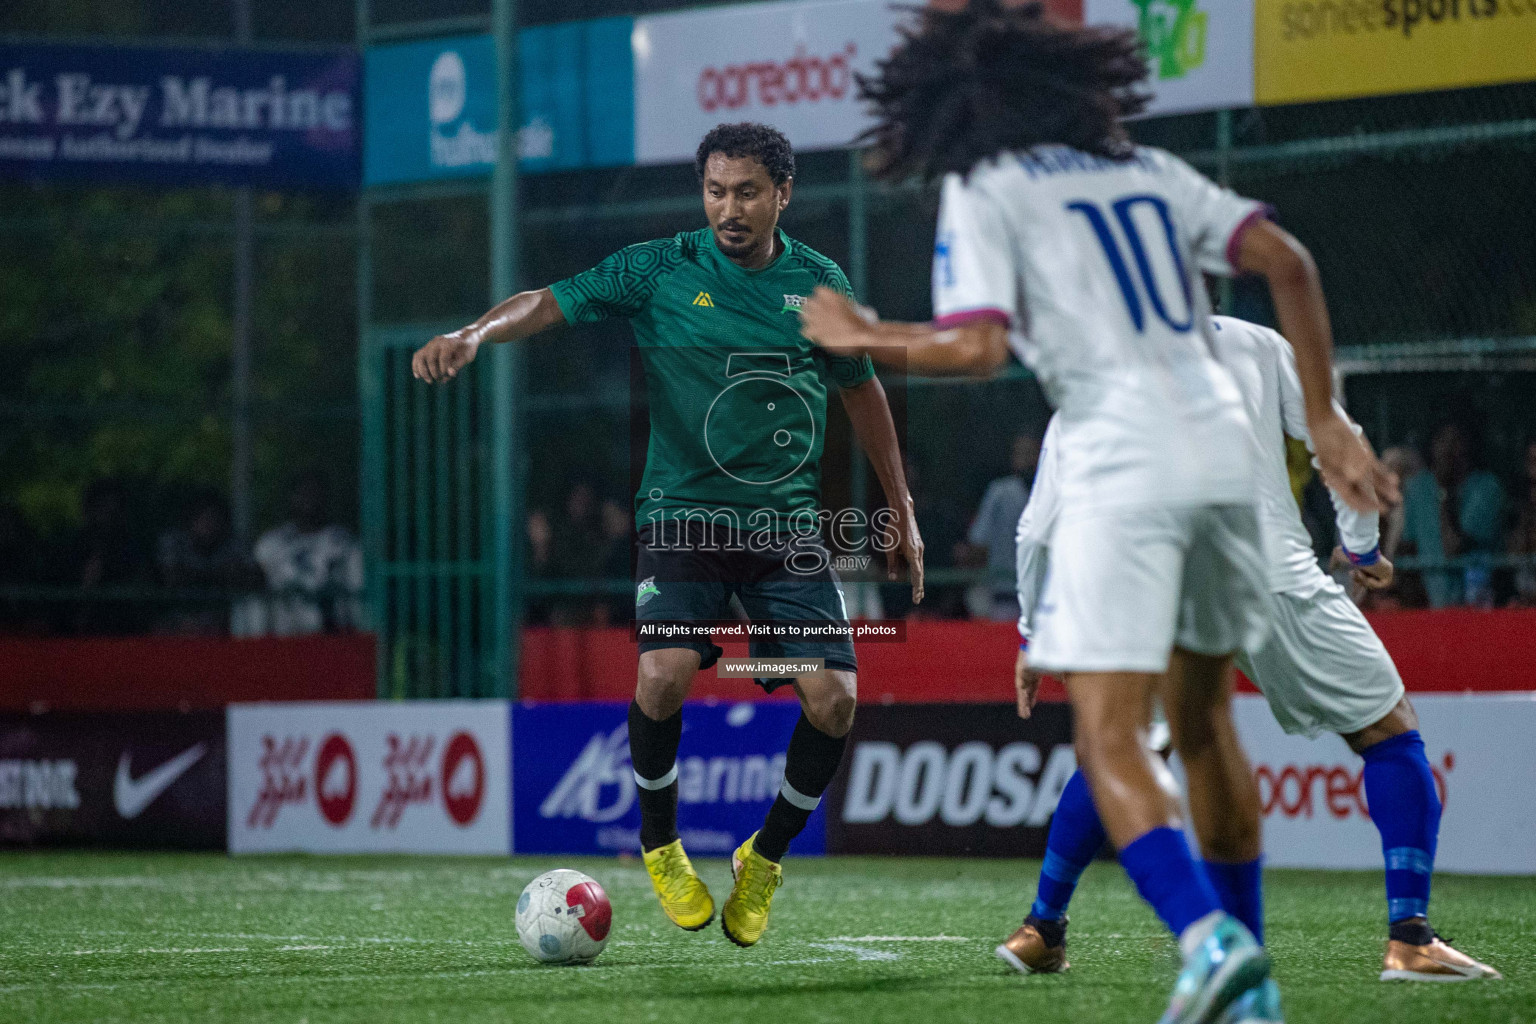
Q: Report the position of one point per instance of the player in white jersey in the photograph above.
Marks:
(1082, 253)
(1321, 668)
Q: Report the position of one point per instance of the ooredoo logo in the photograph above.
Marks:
(769, 83)
(336, 779)
(1302, 790)
(463, 778)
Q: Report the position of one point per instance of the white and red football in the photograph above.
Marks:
(563, 917)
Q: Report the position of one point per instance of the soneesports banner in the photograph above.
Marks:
(790, 65)
(574, 788)
(950, 779)
(1200, 51)
(180, 116)
(1484, 762)
(365, 776)
(152, 779)
(1309, 51)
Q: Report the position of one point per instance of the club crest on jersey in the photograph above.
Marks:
(793, 303)
(646, 590)
(703, 299)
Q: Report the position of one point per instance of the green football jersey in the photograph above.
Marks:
(738, 398)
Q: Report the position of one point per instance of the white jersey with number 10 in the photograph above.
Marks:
(1094, 265)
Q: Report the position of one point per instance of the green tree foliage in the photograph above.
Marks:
(117, 325)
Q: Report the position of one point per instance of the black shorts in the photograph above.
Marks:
(689, 579)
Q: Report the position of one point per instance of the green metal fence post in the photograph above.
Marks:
(506, 369)
(370, 385)
(1224, 178)
(858, 278)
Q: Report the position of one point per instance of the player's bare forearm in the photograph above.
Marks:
(521, 316)
(1297, 290)
(1348, 464)
(870, 414)
(975, 349)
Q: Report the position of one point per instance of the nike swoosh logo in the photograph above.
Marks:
(133, 795)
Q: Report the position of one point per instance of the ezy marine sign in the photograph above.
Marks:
(177, 116)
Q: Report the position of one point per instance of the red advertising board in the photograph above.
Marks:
(1448, 651)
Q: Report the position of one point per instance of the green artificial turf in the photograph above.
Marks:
(126, 937)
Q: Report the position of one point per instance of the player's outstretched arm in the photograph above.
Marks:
(524, 314)
(1348, 465)
(870, 414)
(975, 349)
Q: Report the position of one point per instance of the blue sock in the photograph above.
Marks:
(1241, 890)
(1168, 877)
(1400, 790)
(1076, 836)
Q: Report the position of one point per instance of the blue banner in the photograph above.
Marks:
(573, 790)
(180, 116)
(432, 111)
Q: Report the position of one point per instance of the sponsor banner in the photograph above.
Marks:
(790, 65)
(950, 779)
(1309, 51)
(574, 789)
(432, 110)
(153, 779)
(1480, 749)
(179, 116)
(577, 104)
(360, 777)
(1200, 51)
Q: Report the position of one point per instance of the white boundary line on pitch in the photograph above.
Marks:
(899, 938)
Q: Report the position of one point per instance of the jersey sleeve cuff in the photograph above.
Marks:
(984, 314)
(1370, 557)
(563, 300)
(1263, 211)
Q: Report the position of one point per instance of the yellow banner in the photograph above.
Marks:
(1331, 49)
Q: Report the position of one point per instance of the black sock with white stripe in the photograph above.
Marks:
(653, 752)
(809, 765)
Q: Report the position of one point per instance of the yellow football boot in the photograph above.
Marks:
(683, 895)
(745, 916)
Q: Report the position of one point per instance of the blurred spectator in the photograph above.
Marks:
(314, 571)
(540, 540)
(577, 552)
(19, 566)
(106, 554)
(1405, 462)
(1454, 510)
(201, 554)
(1407, 589)
(990, 540)
(616, 523)
(1522, 539)
(942, 521)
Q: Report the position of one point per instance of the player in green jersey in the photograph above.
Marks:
(729, 509)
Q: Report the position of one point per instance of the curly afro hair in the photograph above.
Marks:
(764, 143)
(966, 85)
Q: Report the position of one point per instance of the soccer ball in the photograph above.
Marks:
(563, 918)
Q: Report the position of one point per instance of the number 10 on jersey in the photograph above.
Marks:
(1165, 254)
